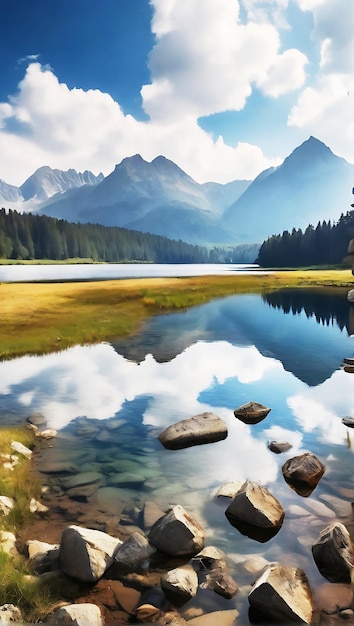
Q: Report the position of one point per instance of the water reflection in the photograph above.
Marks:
(110, 402)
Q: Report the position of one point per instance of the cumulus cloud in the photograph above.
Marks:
(325, 107)
(204, 62)
(207, 61)
(46, 122)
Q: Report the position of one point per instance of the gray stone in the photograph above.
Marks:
(333, 553)
(209, 558)
(134, 551)
(177, 533)
(200, 429)
(282, 594)
(251, 413)
(85, 554)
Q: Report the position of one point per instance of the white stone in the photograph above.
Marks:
(21, 449)
(84, 614)
(85, 554)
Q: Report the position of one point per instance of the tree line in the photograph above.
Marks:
(326, 244)
(29, 236)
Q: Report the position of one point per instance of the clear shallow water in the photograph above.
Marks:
(20, 273)
(110, 402)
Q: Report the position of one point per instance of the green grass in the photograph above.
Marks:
(21, 484)
(37, 318)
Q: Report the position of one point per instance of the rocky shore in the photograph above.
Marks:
(149, 565)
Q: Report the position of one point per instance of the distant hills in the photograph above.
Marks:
(311, 185)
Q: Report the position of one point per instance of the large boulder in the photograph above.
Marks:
(282, 594)
(333, 553)
(203, 428)
(180, 584)
(303, 472)
(251, 413)
(85, 554)
(177, 533)
(255, 512)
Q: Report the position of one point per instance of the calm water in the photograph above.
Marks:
(109, 403)
(19, 273)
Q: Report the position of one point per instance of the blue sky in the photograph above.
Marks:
(224, 88)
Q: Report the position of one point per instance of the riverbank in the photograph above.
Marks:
(38, 318)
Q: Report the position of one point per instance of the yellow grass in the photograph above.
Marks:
(44, 317)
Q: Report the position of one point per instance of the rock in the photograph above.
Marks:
(180, 584)
(10, 613)
(348, 421)
(255, 512)
(216, 618)
(76, 615)
(177, 533)
(37, 419)
(134, 551)
(229, 490)
(8, 542)
(279, 446)
(209, 558)
(85, 554)
(37, 507)
(43, 557)
(148, 613)
(348, 360)
(350, 295)
(220, 582)
(282, 594)
(302, 473)
(149, 515)
(333, 553)
(251, 413)
(18, 447)
(6, 505)
(203, 428)
(331, 598)
(48, 433)
(255, 564)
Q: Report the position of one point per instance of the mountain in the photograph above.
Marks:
(311, 185)
(156, 197)
(9, 193)
(46, 182)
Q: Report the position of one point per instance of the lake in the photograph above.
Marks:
(105, 271)
(109, 402)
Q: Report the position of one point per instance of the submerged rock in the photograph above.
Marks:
(348, 421)
(333, 553)
(200, 429)
(303, 472)
(255, 512)
(282, 594)
(251, 413)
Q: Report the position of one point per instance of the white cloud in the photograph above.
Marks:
(325, 107)
(206, 61)
(64, 128)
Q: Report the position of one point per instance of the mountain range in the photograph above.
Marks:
(311, 185)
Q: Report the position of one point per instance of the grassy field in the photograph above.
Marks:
(36, 318)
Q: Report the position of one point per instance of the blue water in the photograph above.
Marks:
(112, 400)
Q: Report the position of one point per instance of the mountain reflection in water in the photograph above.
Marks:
(110, 402)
